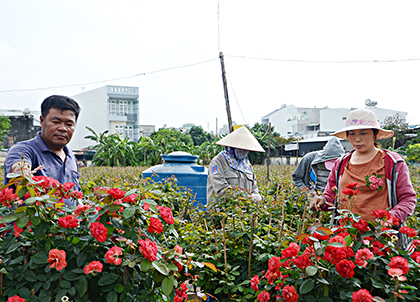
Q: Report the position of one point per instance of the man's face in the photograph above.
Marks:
(57, 128)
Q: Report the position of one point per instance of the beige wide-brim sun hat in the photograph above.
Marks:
(241, 138)
(362, 119)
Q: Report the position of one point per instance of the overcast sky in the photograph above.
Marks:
(305, 53)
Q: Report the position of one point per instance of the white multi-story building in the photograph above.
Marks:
(112, 108)
(309, 122)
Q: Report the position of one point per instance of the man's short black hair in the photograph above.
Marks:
(59, 102)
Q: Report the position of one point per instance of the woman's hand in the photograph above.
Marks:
(317, 202)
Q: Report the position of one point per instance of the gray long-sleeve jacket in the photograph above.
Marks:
(315, 161)
(222, 176)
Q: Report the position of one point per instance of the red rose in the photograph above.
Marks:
(93, 267)
(7, 197)
(112, 254)
(263, 296)
(362, 295)
(363, 255)
(15, 298)
(57, 259)
(345, 268)
(130, 198)
(380, 214)
(68, 186)
(68, 222)
(81, 208)
(290, 294)
(76, 194)
(166, 214)
(116, 193)
(155, 226)
(291, 251)
(302, 261)
(399, 262)
(352, 185)
(416, 256)
(409, 231)
(146, 206)
(18, 230)
(274, 264)
(46, 182)
(361, 225)
(254, 282)
(350, 192)
(98, 231)
(148, 249)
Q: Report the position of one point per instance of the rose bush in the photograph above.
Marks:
(353, 261)
(114, 246)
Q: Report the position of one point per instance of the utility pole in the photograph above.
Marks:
(268, 151)
(226, 92)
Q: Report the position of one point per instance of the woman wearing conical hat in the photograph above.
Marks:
(382, 176)
(231, 167)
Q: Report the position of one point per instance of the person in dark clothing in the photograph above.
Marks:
(318, 163)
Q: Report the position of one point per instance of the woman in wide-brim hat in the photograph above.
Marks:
(231, 167)
(382, 176)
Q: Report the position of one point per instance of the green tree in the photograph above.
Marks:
(166, 135)
(199, 136)
(4, 127)
(400, 127)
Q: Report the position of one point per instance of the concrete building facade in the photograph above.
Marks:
(112, 108)
(313, 122)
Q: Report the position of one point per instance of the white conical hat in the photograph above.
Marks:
(241, 138)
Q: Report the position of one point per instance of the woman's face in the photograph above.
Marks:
(362, 140)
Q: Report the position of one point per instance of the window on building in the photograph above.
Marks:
(112, 107)
(119, 129)
(128, 131)
(123, 107)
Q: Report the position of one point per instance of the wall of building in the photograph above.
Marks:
(94, 112)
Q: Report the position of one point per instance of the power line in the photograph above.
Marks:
(109, 80)
(234, 94)
(325, 61)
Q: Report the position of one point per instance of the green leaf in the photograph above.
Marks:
(21, 209)
(22, 222)
(114, 207)
(65, 284)
(81, 286)
(22, 191)
(35, 220)
(60, 295)
(129, 212)
(311, 270)
(69, 276)
(162, 268)
(40, 258)
(306, 286)
(8, 219)
(145, 265)
(41, 229)
(16, 260)
(322, 280)
(377, 284)
(81, 259)
(325, 299)
(112, 297)
(30, 276)
(107, 279)
(167, 286)
(118, 288)
(30, 211)
(116, 224)
(336, 244)
(24, 292)
(309, 298)
(14, 247)
(348, 240)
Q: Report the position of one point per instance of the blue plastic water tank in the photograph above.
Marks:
(183, 166)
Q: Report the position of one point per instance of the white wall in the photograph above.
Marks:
(333, 119)
(94, 114)
(279, 120)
